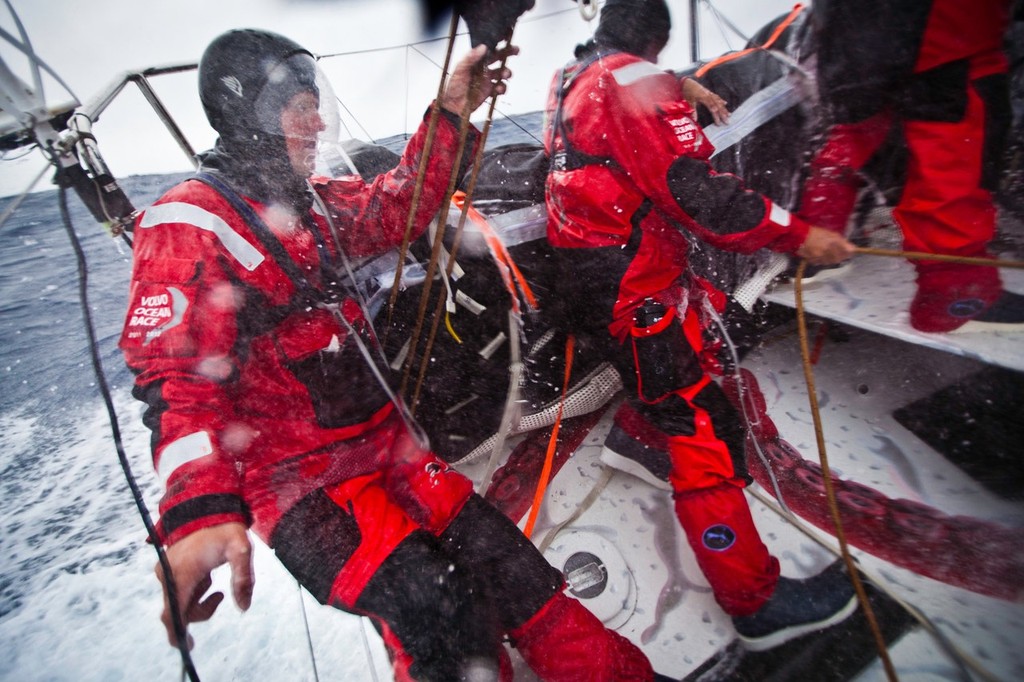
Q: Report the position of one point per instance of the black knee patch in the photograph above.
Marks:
(728, 425)
(994, 90)
(313, 540)
(504, 563)
(429, 602)
(938, 94)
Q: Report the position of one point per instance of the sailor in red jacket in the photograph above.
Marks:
(936, 70)
(630, 186)
(269, 405)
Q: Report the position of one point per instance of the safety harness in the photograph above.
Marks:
(571, 158)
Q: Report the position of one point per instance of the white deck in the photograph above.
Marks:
(658, 598)
(874, 293)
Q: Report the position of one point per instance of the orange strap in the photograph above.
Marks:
(510, 272)
(736, 55)
(549, 457)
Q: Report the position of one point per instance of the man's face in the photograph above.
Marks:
(300, 125)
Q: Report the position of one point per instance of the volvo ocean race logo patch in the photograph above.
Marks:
(153, 314)
(718, 537)
(681, 119)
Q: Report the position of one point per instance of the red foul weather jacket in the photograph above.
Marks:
(636, 159)
(232, 363)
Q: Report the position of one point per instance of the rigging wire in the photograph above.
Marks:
(363, 620)
(25, 46)
(505, 115)
(414, 47)
(309, 638)
(83, 292)
(13, 206)
(745, 398)
(722, 20)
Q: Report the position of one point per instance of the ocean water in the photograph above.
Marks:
(78, 599)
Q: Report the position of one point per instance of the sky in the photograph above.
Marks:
(381, 82)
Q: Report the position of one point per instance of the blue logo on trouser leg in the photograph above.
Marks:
(967, 307)
(718, 537)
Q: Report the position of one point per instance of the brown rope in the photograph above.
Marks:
(435, 254)
(421, 172)
(830, 494)
(456, 240)
(921, 255)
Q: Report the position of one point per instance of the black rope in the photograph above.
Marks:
(101, 381)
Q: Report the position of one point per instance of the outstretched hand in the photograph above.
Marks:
(696, 94)
(479, 76)
(825, 247)
(192, 559)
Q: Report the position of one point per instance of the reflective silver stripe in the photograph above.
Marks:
(756, 110)
(631, 73)
(779, 215)
(522, 225)
(190, 214)
(182, 451)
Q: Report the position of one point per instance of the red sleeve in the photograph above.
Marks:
(653, 134)
(372, 218)
(177, 339)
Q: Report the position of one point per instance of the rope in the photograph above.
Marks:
(588, 501)
(962, 659)
(542, 484)
(442, 220)
(511, 411)
(827, 476)
(435, 255)
(921, 255)
(428, 145)
(512, 277)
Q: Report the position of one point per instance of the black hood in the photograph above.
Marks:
(246, 77)
(633, 25)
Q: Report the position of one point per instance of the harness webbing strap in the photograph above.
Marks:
(262, 232)
(571, 158)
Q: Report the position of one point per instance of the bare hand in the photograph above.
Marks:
(192, 559)
(697, 94)
(825, 247)
(478, 77)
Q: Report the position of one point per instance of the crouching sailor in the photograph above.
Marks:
(270, 412)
